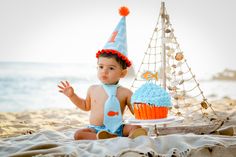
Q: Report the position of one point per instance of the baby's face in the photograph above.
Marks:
(109, 70)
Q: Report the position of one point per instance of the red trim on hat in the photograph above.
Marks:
(120, 55)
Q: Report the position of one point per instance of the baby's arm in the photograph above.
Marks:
(83, 104)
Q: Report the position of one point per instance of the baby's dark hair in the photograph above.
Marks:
(118, 59)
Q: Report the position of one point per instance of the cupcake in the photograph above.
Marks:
(150, 101)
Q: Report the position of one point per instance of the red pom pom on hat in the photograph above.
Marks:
(124, 11)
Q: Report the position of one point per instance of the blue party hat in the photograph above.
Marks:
(117, 43)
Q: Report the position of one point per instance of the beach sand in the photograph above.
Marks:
(49, 132)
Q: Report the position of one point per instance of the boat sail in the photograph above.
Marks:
(164, 57)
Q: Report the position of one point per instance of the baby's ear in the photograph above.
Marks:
(124, 72)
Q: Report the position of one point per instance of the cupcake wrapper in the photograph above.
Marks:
(145, 111)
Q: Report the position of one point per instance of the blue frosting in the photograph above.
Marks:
(152, 94)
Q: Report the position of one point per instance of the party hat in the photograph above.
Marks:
(117, 43)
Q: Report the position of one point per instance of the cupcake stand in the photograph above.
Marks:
(155, 124)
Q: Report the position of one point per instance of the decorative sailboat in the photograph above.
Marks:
(165, 58)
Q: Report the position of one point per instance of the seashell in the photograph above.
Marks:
(204, 104)
(176, 106)
(168, 78)
(180, 97)
(181, 82)
(174, 66)
(176, 97)
(173, 89)
(167, 17)
(178, 114)
(167, 30)
(179, 56)
(169, 87)
(180, 73)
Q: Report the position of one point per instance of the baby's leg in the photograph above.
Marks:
(133, 131)
(128, 129)
(85, 134)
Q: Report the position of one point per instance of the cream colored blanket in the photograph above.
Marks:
(53, 143)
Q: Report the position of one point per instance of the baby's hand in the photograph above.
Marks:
(66, 89)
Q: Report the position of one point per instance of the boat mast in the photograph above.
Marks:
(163, 17)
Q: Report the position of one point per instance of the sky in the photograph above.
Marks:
(72, 31)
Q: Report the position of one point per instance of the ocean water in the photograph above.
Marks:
(32, 86)
(27, 86)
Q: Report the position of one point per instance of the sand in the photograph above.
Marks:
(49, 132)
